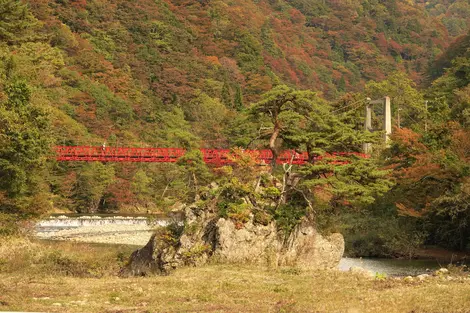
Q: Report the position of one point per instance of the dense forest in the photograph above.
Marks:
(209, 74)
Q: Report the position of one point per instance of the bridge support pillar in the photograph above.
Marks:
(387, 120)
(367, 147)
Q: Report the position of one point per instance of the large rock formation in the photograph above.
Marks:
(206, 236)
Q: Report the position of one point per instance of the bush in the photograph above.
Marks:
(238, 212)
(67, 265)
(262, 217)
(287, 216)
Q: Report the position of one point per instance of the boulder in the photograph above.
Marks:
(206, 236)
(308, 249)
(157, 257)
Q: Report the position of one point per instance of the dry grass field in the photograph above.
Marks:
(71, 277)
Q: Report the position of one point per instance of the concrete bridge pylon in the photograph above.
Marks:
(387, 122)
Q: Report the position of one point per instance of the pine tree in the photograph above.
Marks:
(238, 102)
(226, 96)
(342, 84)
(302, 121)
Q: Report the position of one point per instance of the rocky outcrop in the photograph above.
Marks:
(206, 236)
(308, 249)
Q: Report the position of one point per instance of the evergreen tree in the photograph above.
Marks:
(195, 172)
(342, 84)
(302, 121)
(226, 96)
(238, 101)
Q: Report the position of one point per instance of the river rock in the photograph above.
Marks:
(361, 272)
(423, 277)
(441, 272)
(408, 279)
(206, 236)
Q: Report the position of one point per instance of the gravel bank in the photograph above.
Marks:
(113, 234)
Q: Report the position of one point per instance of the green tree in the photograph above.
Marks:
(92, 181)
(24, 145)
(226, 97)
(195, 172)
(238, 101)
(281, 108)
(208, 116)
(16, 22)
(449, 93)
(302, 121)
(142, 187)
(407, 101)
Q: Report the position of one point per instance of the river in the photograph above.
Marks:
(137, 230)
(392, 267)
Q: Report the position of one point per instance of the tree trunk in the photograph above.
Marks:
(272, 143)
(311, 157)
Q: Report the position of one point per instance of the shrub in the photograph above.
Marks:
(262, 217)
(68, 265)
(239, 213)
(287, 217)
(190, 257)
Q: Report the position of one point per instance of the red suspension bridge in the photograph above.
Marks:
(172, 155)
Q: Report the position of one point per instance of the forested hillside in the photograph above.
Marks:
(190, 74)
(454, 14)
(175, 73)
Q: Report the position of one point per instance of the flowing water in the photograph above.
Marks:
(392, 267)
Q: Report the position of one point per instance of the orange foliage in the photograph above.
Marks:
(213, 60)
(412, 151)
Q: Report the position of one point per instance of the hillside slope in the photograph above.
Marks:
(176, 72)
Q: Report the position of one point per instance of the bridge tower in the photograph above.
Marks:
(387, 122)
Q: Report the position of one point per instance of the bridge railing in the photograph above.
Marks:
(172, 155)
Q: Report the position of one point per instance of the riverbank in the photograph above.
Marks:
(77, 277)
(108, 229)
(443, 255)
(137, 235)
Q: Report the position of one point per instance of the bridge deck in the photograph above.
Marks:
(171, 155)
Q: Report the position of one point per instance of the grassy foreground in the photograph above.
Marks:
(70, 277)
